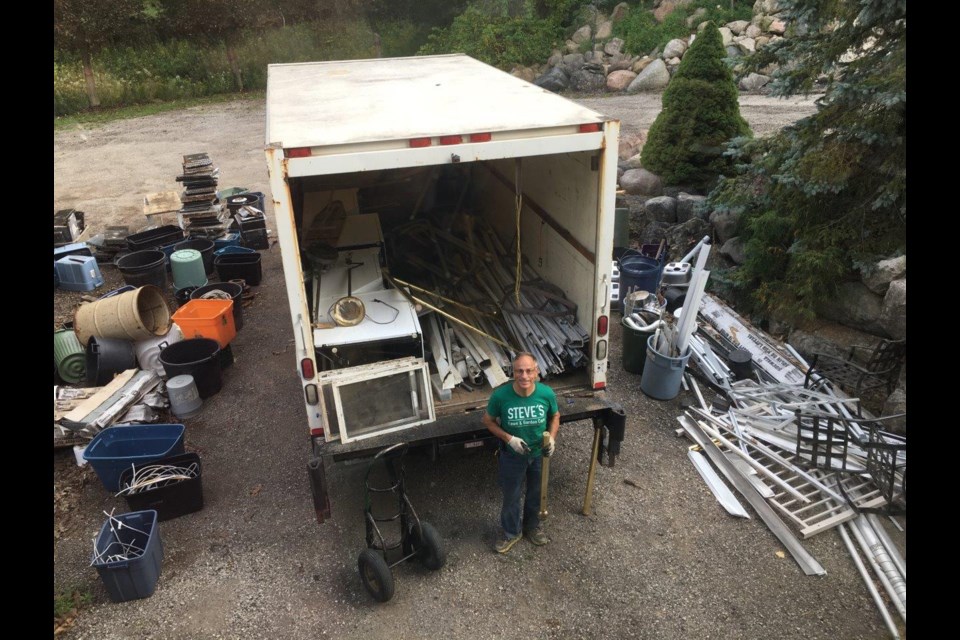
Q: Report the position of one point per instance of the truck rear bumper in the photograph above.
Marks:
(464, 431)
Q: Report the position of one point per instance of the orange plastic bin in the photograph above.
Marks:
(207, 318)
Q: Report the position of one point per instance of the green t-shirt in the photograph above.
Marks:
(526, 418)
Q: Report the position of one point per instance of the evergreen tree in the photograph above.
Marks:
(827, 195)
(700, 115)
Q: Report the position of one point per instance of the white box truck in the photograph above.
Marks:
(381, 168)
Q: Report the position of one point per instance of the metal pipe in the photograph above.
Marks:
(888, 544)
(889, 568)
(881, 575)
(867, 580)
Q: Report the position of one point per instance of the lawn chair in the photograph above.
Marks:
(881, 369)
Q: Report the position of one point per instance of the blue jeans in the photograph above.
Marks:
(512, 469)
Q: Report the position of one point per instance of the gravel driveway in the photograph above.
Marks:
(658, 558)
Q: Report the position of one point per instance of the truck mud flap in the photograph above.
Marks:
(318, 487)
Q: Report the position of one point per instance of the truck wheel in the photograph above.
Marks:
(429, 547)
(375, 575)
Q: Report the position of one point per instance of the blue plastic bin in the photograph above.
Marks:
(78, 273)
(226, 240)
(118, 447)
(135, 577)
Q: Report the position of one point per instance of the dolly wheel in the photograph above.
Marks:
(430, 549)
(375, 575)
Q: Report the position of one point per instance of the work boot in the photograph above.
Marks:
(537, 537)
(504, 544)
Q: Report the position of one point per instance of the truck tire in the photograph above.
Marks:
(429, 546)
(375, 575)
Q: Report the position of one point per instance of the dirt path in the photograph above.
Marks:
(658, 558)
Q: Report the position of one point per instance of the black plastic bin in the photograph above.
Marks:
(170, 499)
(107, 357)
(233, 289)
(204, 246)
(151, 238)
(148, 266)
(198, 357)
(234, 266)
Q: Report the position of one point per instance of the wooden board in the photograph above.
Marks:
(162, 202)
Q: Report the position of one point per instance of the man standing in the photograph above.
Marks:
(518, 413)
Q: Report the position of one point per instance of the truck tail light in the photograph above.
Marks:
(306, 369)
(451, 139)
(317, 432)
(480, 137)
(601, 349)
(420, 142)
(310, 391)
(602, 322)
(590, 128)
(599, 385)
(297, 152)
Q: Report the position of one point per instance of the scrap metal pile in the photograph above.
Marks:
(486, 305)
(806, 458)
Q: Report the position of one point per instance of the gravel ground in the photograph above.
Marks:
(657, 558)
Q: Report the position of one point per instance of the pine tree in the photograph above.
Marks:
(700, 115)
(828, 193)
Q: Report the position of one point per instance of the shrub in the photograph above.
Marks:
(642, 34)
(700, 115)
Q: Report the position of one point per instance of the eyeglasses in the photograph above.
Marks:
(526, 372)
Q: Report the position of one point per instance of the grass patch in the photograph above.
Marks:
(96, 117)
(66, 605)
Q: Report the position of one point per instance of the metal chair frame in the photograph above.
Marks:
(881, 368)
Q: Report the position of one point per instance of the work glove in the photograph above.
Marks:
(549, 448)
(518, 445)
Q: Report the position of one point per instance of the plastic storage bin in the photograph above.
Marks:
(159, 237)
(226, 240)
(234, 266)
(128, 554)
(78, 273)
(207, 318)
(116, 448)
(170, 499)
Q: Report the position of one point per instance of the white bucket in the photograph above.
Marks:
(148, 351)
(185, 400)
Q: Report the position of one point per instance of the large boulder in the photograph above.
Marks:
(726, 35)
(753, 81)
(620, 79)
(524, 73)
(641, 182)
(589, 78)
(653, 78)
(675, 49)
(830, 338)
(582, 34)
(636, 162)
(893, 312)
(879, 276)
(747, 45)
(733, 249)
(630, 144)
(654, 232)
(620, 12)
(604, 30)
(681, 238)
(738, 26)
(752, 31)
(689, 206)
(613, 47)
(853, 305)
(573, 61)
(724, 225)
(662, 209)
(555, 80)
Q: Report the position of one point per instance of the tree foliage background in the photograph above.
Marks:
(826, 197)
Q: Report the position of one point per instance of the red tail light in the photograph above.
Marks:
(599, 385)
(480, 137)
(602, 326)
(297, 152)
(306, 368)
(420, 142)
(451, 139)
(589, 128)
(317, 432)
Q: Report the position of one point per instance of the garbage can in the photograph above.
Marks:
(634, 346)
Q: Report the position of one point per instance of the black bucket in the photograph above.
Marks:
(198, 357)
(183, 296)
(204, 246)
(144, 267)
(244, 200)
(234, 266)
(741, 363)
(233, 289)
(107, 357)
